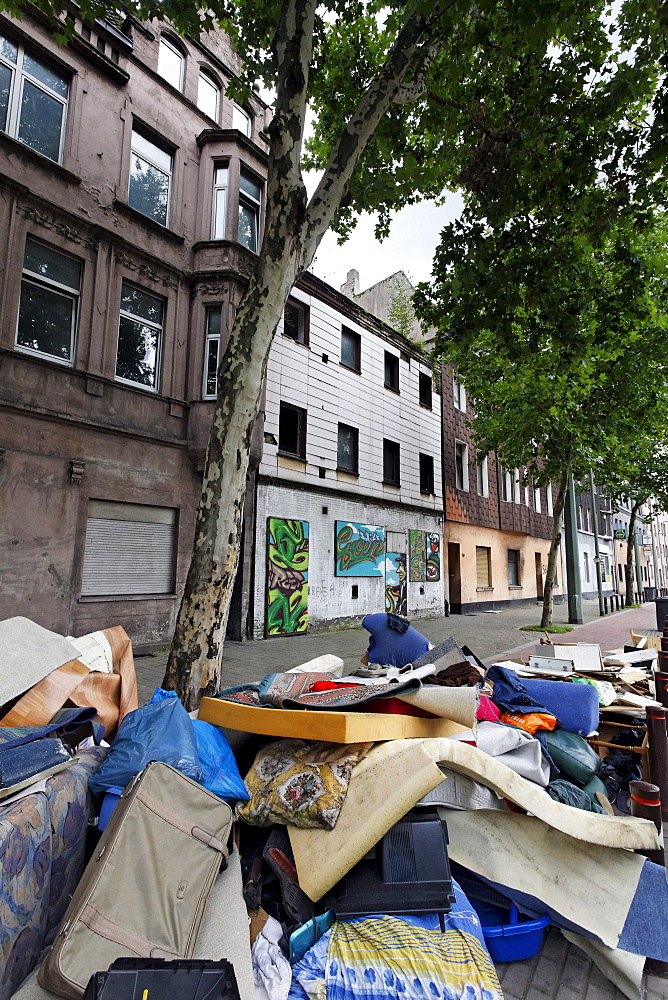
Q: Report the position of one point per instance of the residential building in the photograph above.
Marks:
(132, 211)
(585, 513)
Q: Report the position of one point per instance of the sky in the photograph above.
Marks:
(414, 235)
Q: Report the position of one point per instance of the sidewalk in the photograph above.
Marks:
(561, 971)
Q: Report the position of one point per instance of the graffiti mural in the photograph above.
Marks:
(433, 557)
(359, 549)
(417, 555)
(287, 576)
(396, 590)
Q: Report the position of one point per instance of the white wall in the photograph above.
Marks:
(330, 597)
(331, 394)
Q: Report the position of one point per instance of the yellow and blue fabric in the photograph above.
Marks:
(400, 958)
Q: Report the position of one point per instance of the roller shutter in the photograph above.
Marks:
(483, 567)
(130, 549)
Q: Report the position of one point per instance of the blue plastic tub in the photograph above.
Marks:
(109, 802)
(509, 936)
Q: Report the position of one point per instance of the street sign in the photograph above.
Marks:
(620, 533)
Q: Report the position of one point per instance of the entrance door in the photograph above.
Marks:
(539, 577)
(455, 578)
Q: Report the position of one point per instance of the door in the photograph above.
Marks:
(539, 577)
(454, 578)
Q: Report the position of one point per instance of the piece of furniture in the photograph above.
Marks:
(42, 847)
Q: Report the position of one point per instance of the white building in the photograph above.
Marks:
(350, 472)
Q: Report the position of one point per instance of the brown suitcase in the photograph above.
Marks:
(144, 890)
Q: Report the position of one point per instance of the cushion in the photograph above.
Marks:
(573, 755)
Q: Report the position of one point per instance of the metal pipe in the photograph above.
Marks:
(658, 757)
(572, 558)
(645, 803)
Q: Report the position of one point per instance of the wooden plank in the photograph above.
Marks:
(337, 727)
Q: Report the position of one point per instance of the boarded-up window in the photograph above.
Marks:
(483, 566)
(130, 549)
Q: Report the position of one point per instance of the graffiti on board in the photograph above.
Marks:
(433, 556)
(287, 576)
(359, 549)
(396, 590)
(417, 555)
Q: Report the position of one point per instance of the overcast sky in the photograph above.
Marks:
(414, 235)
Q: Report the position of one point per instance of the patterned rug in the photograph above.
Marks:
(316, 691)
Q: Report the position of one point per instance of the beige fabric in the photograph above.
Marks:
(622, 968)
(383, 787)
(607, 831)
(591, 886)
(457, 704)
(28, 653)
(223, 934)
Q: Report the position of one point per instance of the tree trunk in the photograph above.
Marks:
(630, 556)
(293, 231)
(555, 548)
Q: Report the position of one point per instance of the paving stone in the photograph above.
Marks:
(555, 946)
(603, 991)
(517, 978)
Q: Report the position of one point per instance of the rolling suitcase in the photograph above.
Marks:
(144, 890)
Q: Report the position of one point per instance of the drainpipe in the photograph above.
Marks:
(597, 548)
(572, 558)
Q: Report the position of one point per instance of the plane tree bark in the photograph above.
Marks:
(555, 549)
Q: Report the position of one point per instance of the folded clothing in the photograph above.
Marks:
(510, 693)
(300, 782)
(462, 674)
(515, 748)
(571, 795)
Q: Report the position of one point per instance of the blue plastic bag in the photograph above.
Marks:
(221, 774)
(161, 730)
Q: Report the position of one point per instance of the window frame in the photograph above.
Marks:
(482, 477)
(210, 338)
(392, 451)
(458, 395)
(517, 497)
(347, 331)
(16, 88)
(489, 585)
(514, 562)
(549, 503)
(140, 319)
(305, 312)
(391, 366)
(462, 448)
(236, 108)
(213, 83)
(170, 44)
(426, 398)
(249, 201)
(427, 479)
(506, 485)
(64, 291)
(356, 449)
(156, 166)
(537, 502)
(224, 189)
(300, 454)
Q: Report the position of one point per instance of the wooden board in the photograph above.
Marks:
(337, 727)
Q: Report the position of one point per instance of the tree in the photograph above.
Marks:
(394, 88)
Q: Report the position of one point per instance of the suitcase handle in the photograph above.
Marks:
(178, 821)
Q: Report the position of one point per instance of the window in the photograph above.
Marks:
(621, 572)
(536, 499)
(219, 201)
(506, 485)
(513, 567)
(461, 466)
(296, 321)
(347, 449)
(208, 96)
(516, 486)
(426, 474)
(33, 100)
(241, 120)
(585, 557)
(212, 353)
(351, 349)
(459, 393)
(139, 337)
(482, 477)
(292, 431)
(548, 499)
(425, 391)
(391, 463)
(606, 563)
(170, 63)
(130, 549)
(49, 302)
(391, 371)
(483, 567)
(150, 178)
(250, 193)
